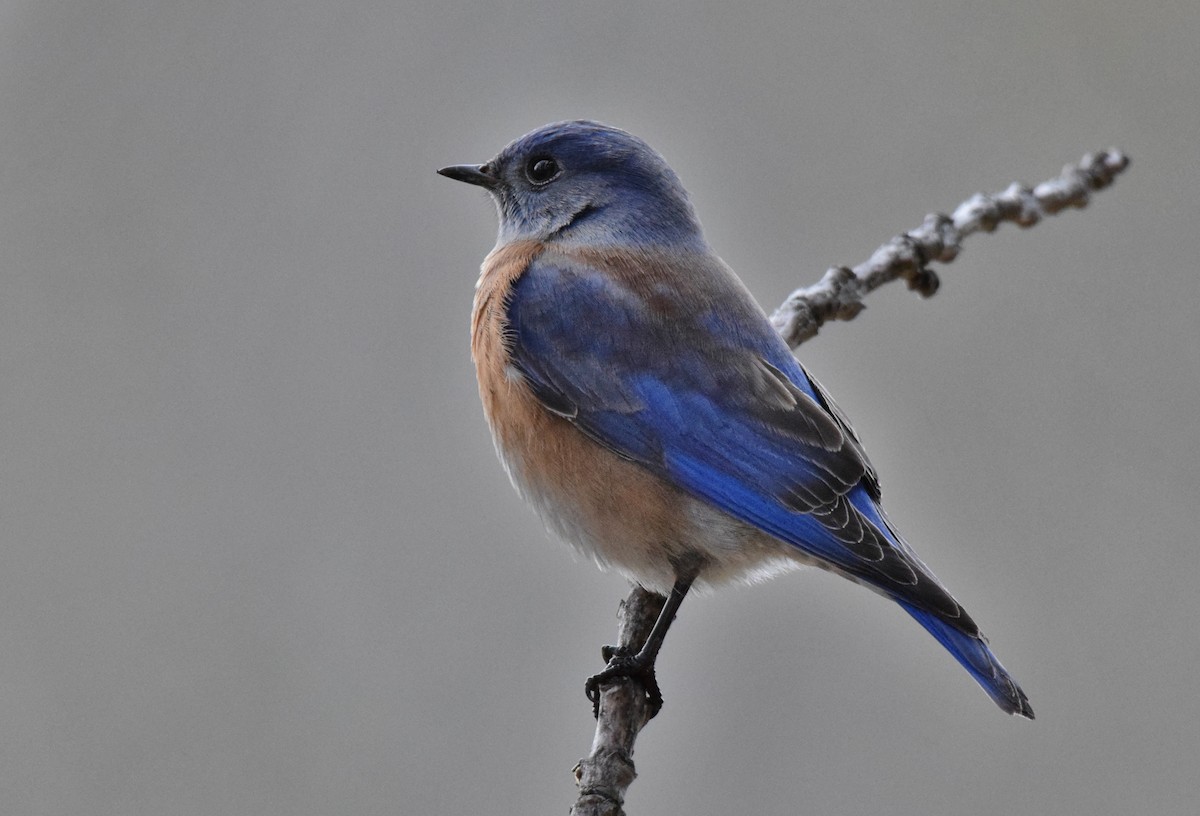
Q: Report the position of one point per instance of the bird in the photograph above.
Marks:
(640, 400)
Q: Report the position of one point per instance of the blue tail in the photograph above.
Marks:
(975, 656)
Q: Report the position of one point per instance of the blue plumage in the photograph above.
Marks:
(626, 325)
(648, 389)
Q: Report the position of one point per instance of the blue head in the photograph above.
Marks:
(584, 182)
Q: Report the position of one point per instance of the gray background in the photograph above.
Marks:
(258, 556)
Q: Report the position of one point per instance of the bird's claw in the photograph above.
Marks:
(623, 665)
(609, 652)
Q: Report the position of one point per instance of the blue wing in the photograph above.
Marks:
(674, 366)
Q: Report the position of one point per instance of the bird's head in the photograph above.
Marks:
(585, 182)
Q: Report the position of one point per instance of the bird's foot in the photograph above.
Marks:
(621, 664)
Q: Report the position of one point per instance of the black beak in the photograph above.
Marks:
(470, 173)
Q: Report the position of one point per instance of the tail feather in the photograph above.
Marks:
(975, 656)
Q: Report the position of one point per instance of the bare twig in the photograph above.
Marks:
(607, 773)
(839, 294)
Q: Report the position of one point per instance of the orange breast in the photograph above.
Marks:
(611, 509)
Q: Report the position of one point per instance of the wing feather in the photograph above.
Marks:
(693, 383)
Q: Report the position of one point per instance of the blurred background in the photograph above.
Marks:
(257, 555)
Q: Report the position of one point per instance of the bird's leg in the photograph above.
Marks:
(640, 667)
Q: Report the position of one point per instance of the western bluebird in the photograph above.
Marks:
(640, 400)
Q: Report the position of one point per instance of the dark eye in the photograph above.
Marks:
(541, 169)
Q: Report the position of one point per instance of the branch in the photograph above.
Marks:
(608, 772)
(839, 294)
